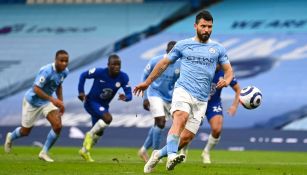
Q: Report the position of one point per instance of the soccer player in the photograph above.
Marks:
(199, 56)
(38, 101)
(214, 115)
(107, 82)
(158, 99)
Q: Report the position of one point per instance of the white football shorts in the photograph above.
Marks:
(159, 107)
(183, 101)
(31, 113)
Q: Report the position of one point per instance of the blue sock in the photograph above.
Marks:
(51, 139)
(172, 144)
(16, 134)
(157, 137)
(148, 140)
(163, 152)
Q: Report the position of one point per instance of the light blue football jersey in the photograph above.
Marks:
(198, 64)
(163, 86)
(48, 80)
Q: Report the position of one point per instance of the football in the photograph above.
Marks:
(250, 97)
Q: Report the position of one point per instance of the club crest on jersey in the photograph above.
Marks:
(117, 84)
(42, 79)
(91, 71)
(212, 50)
(101, 108)
(177, 71)
(147, 67)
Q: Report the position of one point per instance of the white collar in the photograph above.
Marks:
(53, 67)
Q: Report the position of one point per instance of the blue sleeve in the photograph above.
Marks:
(223, 58)
(233, 82)
(42, 78)
(175, 53)
(86, 75)
(127, 88)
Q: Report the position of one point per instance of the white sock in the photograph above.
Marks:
(211, 143)
(98, 127)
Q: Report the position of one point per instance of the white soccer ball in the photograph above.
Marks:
(250, 97)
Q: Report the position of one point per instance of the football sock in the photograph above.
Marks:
(211, 143)
(157, 137)
(163, 152)
(16, 134)
(148, 141)
(172, 144)
(51, 139)
(98, 127)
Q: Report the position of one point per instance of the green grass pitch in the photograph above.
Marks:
(110, 161)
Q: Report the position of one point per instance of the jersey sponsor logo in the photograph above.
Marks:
(91, 71)
(200, 60)
(101, 108)
(117, 84)
(106, 93)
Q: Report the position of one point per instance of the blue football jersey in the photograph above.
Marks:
(48, 79)
(163, 86)
(215, 94)
(198, 64)
(104, 87)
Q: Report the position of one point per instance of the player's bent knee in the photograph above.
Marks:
(107, 119)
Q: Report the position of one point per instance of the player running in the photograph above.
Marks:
(38, 101)
(199, 56)
(107, 82)
(158, 99)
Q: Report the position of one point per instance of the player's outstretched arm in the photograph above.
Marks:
(233, 108)
(156, 72)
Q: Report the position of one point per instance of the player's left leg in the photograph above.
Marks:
(216, 124)
(55, 120)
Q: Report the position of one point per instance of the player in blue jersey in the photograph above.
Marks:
(214, 115)
(39, 101)
(158, 99)
(107, 81)
(198, 57)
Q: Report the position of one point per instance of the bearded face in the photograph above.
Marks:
(203, 30)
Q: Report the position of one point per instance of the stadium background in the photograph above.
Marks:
(267, 47)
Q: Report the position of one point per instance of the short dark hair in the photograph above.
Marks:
(170, 45)
(60, 52)
(206, 15)
(113, 56)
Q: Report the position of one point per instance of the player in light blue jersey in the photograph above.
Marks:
(199, 56)
(214, 115)
(107, 81)
(158, 99)
(38, 101)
